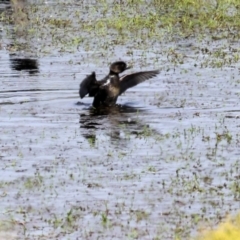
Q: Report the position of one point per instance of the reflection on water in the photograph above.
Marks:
(115, 122)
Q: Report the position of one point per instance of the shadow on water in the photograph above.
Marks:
(24, 64)
(119, 123)
(21, 42)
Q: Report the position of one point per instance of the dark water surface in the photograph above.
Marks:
(161, 165)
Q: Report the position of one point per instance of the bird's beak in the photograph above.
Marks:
(128, 67)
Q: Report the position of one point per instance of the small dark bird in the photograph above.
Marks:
(107, 90)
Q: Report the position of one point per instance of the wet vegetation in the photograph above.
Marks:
(116, 22)
(164, 164)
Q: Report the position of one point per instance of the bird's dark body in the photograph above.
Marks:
(107, 90)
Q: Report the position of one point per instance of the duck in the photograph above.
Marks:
(106, 91)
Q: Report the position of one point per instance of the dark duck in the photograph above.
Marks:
(107, 90)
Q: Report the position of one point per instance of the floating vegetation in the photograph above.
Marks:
(228, 230)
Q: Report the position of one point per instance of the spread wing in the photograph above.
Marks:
(86, 85)
(90, 85)
(131, 80)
